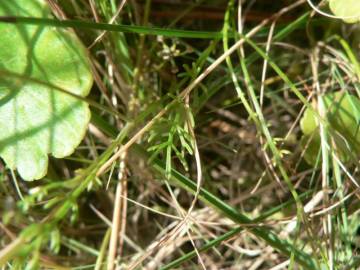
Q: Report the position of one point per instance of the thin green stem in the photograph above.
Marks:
(155, 31)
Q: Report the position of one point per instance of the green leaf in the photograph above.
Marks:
(36, 119)
(348, 10)
(343, 118)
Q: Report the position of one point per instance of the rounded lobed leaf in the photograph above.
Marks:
(348, 10)
(343, 116)
(36, 117)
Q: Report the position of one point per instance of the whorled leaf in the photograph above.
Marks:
(348, 10)
(343, 126)
(36, 119)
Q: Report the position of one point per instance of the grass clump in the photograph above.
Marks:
(194, 157)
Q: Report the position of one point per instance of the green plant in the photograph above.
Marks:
(44, 73)
(342, 115)
(232, 93)
(348, 10)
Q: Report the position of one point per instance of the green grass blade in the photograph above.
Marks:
(204, 248)
(269, 237)
(228, 235)
(112, 27)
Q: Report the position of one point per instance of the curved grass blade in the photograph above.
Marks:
(227, 235)
(269, 237)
